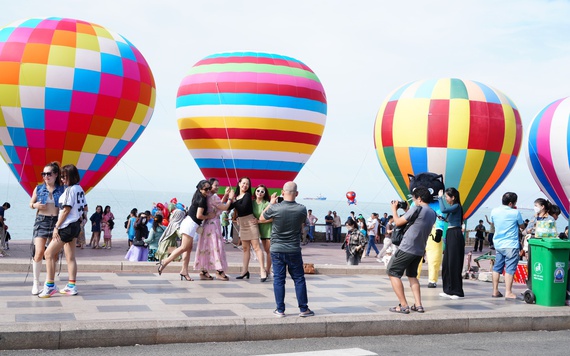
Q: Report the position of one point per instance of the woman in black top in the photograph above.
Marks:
(190, 228)
(96, 227)
(454, 252)
(248, 229)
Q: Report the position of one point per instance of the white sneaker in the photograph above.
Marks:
(69, 290)
(455, 297)
(444, 295)
(35, 288)
(48, 291)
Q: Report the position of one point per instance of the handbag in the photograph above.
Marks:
(399, 231)
(139, 243)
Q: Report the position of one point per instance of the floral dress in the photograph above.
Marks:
(105, 225)
(210, 253)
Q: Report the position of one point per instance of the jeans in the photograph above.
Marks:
(328, 232)
(312, 233)
(372, 244)
(336, 234)
(293, 262)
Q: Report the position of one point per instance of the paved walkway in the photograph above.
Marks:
(126, 303)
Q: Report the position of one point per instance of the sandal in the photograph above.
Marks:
(497, 296)
(418, 308)
(185, 277)
(160, 268)
(205, 276)
(400, 309)
(222, 276)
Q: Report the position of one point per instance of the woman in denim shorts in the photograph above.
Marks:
(45, 199)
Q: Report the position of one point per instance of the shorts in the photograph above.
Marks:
(71, 231)
(189, 227)
(43, 226)
(403, 261)
(508, 259)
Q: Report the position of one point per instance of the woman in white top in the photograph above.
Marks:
(72, 208)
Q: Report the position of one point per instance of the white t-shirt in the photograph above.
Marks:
(74, 197)
(372, 230)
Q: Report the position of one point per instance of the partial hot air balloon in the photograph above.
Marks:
(466, 131)
(351, 196)
(73, 92)
(548, 152)
(251, 114)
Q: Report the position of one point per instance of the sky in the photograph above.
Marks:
(360, 50)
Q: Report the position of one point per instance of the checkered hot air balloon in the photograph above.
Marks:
(73, 92)
(548, 152)
(251, 114)
(466, 131)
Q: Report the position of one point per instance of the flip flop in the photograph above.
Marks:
(497, 296)
(517, 298)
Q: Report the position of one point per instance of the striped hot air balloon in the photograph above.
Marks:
(250, 114)
(464, 130)
(548, 152)
(73, 92)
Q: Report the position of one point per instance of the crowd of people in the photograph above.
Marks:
(274, 228)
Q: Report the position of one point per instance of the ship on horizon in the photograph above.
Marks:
(318, 197)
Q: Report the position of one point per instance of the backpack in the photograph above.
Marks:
(127, 221)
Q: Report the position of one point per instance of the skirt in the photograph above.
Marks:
(137, 254)
(248, 229)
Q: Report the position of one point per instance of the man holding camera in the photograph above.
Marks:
(411, 250)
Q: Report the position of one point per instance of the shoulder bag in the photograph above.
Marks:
(399, 231)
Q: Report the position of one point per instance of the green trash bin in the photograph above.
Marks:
(548, 273)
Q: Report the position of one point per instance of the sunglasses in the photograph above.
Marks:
(207, 188)
(46, 174)
(260, 191)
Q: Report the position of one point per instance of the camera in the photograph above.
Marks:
(403, 205)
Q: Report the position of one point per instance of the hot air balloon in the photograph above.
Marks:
(73, 92)
(251, 114)
(351, 196)
(466, 131)
(548, 152)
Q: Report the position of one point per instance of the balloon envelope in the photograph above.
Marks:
(548, 152)
(251, 114)
(466, 131)
(73, 92)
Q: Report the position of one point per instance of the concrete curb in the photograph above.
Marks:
(21, 265)
(68, 335)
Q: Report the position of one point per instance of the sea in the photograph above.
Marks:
(20, 218)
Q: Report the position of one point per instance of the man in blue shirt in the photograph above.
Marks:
(507, 220)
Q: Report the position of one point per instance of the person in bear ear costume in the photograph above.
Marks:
(434, 248)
